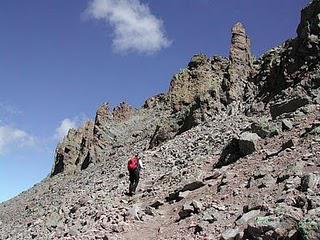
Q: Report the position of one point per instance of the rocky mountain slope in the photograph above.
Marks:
(231, 152)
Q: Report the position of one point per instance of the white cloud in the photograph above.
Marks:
(135, 28)
(10, 136)
(64, 127)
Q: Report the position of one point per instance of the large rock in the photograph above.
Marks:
(230, 234)
(247, 217)
(289, 105)
(186, 211)
(248, 143)
(286, 124)
(310, 181)
(264, 128)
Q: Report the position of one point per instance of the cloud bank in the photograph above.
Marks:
(10, 136)
(135, 28)
(64, 127)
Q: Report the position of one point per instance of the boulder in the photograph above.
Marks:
(247, 216)
(261, 128)
(193, 186)
(208, 216)
(186, 211)
(262, 227)
(286, 125)
(54, 220)
(157, 204)
(248, 143)
(310, 181)
(197, 206)
(289, 105)
(230, 234)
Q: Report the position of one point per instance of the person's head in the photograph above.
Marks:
(136, 155)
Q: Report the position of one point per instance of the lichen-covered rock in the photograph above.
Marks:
(203, 75)
(309, 227)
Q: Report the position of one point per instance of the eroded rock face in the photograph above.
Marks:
(309, 30)
(277, 84)
(240, 52)
(103, 115)
(75, 150)
(122, 112)
(240, 68)
(202, 75)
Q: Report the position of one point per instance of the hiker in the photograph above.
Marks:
(134, 167)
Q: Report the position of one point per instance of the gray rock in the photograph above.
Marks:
(248, 143)
(193, 186)
(208, 216)
(150, 211)
(54, 220)
(248, 216)
(230, 234)
(286, 125)
(285, 211)
(261, 128)
(310, 181)
(157, 204)
(186, 211)
(314, 202)
(259, 226)
(289, 106)
(267, 181)
(287, 144)
(197, 206)
(183, 195)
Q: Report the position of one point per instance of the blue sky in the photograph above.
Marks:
(59, 60)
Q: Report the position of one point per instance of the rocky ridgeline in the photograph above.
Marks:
(231, 152)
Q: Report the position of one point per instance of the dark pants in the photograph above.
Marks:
(134, 180)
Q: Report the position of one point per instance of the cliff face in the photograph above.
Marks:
(281, 81)
(231, 152)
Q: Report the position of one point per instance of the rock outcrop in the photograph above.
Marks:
(240, 68)
(278, 83)
(75, 151)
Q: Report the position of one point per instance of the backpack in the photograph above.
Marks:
(133, 163)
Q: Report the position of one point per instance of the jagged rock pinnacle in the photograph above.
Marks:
(239, 69)
(240, 45)
(102, 115)
(122, 112)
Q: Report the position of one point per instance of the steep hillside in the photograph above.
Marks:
(231, 152)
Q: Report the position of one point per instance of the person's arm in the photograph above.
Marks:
(141, 164)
